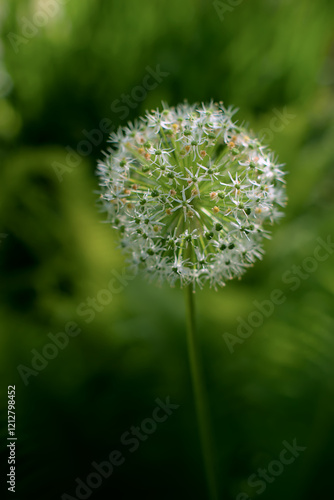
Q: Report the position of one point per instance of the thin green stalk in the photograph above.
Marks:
(199, 393)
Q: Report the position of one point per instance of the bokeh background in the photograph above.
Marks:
(61, 73)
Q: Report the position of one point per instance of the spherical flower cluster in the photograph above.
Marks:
(189, 191)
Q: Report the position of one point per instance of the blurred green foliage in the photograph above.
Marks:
(59, 79)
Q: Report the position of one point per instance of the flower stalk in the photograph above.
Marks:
(199, 395)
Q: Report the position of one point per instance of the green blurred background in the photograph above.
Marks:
(61, 73)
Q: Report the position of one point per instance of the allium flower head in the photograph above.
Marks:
(190, 191)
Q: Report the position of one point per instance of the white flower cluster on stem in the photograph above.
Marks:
(189, 192)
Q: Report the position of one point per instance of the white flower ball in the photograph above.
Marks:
(190, 192)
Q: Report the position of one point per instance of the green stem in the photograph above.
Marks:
(199, 393)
